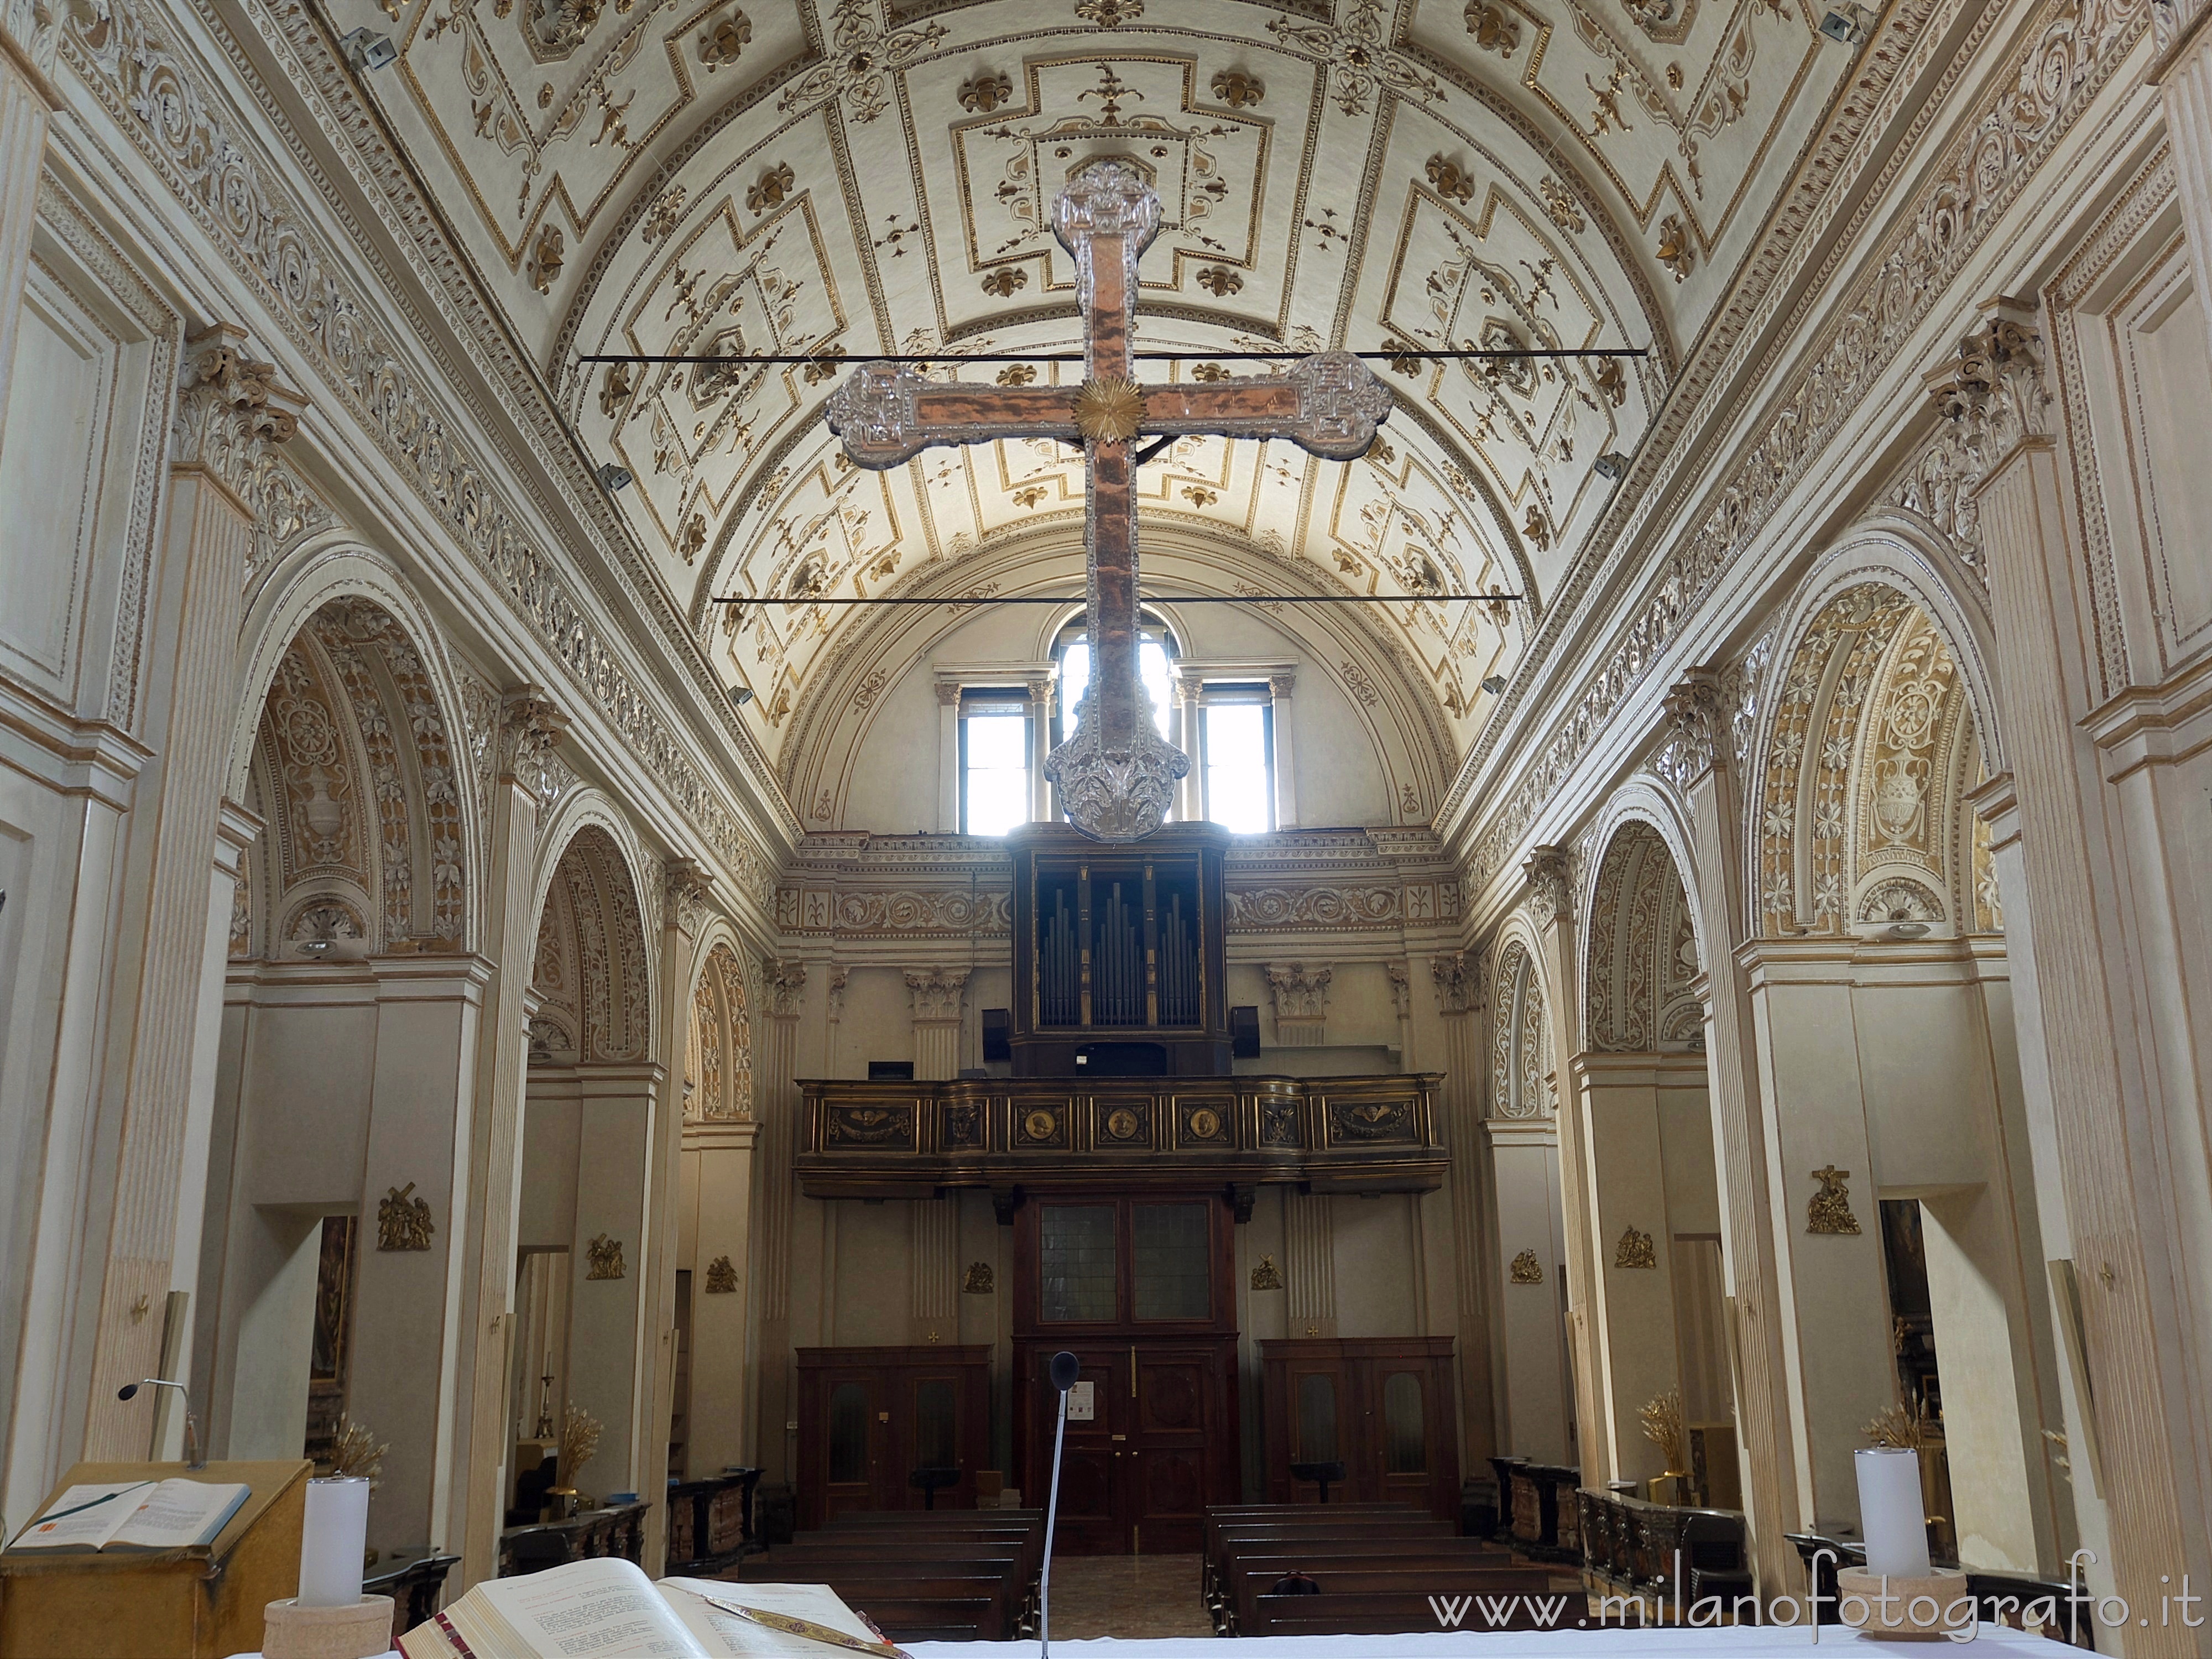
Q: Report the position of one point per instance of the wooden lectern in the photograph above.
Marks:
(176, 1604)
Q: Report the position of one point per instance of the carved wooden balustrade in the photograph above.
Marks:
(1016, 1135)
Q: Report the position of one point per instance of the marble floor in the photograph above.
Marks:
(1127, 1596)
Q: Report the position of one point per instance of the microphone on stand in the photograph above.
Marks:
(1064, 1368)
(193, 1459)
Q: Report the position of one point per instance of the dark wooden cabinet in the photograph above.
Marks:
(1382, 1406)
(1138, 1288)
(869, 1416)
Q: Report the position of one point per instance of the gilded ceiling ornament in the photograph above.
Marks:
(606, 1257)
(545, 263)
(1220, 281)
(721, 1277)
(1238, 89)
(1199, 495)
(1110, 411)
(770, 190)
(1560, 204)
(615, 393)
(1635, 1250)
(1494, 28)
(1005, 282)
(667, 213)
(1829, 1210)
(1450, 182)
(862, 53)
(1525, 1269)
(1029, 494)
(1017, 374)
(1109, 13)
(1534, 531)
(1359, 54)
(1206, 374)
(403, 1223)
(721, 43)
(693, 538)
(986, 93)
(1675, 251)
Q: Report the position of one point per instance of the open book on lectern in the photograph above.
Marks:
(609, 1609)
(134, 1515)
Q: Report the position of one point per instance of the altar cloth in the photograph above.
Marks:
(1729, 1642)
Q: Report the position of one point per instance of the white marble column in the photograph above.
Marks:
(775, 1057)
(948, 757)
(26, 97)
(1041, 710)
(1279, 687)
(2114, 1128)
(1188, 735)
(938, 996)
(1552, 902)
(1742, 1151)
(228, 408)
(687, 903)
(531, 727)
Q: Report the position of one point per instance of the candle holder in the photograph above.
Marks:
(330, 1618)
(1897, 1581)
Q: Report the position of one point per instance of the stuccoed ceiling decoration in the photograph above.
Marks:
(842, 179)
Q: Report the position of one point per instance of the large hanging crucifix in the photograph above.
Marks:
(1116, 775)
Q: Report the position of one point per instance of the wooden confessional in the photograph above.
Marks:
(868, 1418)
(1382, 1406)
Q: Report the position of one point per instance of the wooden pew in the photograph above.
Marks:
(923, 1575)
(1228, 1532)
(1519, 1595)
(1250, 1578)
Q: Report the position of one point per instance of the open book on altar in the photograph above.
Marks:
(134, 1515)
(608, 1609)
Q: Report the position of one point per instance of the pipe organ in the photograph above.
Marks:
(1118, 964)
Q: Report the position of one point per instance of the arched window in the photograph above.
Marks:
(1071, 652)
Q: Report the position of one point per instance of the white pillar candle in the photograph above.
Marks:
(1890, 1514)
(333, 1543)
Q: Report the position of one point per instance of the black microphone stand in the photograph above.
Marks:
(1066, 1367)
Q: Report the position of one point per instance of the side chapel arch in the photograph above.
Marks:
(590, 970)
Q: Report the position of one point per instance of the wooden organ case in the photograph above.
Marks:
(1117, 954)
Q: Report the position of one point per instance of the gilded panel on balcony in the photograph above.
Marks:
(1370, 1121)
(1040, 1128)
(1122, 1126)
(1279, 1123)
(1203, 1123)
(887, 1129)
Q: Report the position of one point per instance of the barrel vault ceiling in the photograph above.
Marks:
(841, 178)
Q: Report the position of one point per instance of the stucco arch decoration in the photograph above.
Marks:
(1868, 740)
(1522, 1069)
(1383, 683)
(718, 1070)
(344, 746)
(591, 972)
(1641, 964)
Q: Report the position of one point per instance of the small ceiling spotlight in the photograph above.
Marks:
(1612, 466)
(741, 694)
(613, 477)
(1847, 24)
(365, 51)
(1494, 683)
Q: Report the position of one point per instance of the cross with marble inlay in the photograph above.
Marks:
(1116, 775)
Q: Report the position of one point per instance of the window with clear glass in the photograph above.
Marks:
(1156, 649)
(1173, 1261)
(1240, 758)
(994, 765)
(1317, 1418)
(936, 1423)
(848, 1433)
(1405, 1444)
(1076, 1262)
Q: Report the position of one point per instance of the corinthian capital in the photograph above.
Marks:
(1458, 977)
(690, 895)
(1993, 392)
(937, 992)
(783, 987)
(1696, 725)
(228, 403)
(1551, 884)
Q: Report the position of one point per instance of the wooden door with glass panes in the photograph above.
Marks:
(1138, 1289)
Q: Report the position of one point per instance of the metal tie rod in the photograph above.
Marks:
(1153, 599)
(954, 358)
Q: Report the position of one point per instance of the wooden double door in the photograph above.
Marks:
(1160, 1444)
(1138, 1288)
(1384, 1407)
(869, 1416)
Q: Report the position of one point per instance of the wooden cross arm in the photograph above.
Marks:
(887, 415)
(1328, 404)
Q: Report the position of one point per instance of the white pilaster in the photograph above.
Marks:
(1279, 687)
(26, 97)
